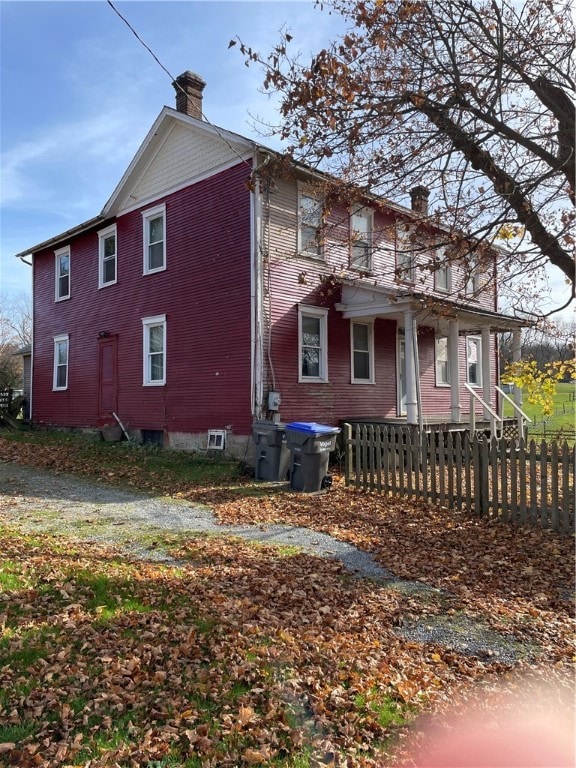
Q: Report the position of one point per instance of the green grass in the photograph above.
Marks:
(102, 457)
(561, 424)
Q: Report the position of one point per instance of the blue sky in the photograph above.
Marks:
(79, 93)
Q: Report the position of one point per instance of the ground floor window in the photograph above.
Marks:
(312, 344)
(61, 351)
(474, 360)
(362, 343)
(154, 350)
(442, 367)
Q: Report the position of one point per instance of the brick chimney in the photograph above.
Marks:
(420, 197)
(189, 87)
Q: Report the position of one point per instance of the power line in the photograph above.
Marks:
(175, 83)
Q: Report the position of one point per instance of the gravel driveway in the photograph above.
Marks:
(38, 500)
(101, 513)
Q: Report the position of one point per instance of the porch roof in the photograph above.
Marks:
(368, 301)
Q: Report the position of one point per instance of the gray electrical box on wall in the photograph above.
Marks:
(274, 401)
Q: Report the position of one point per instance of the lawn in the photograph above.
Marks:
(561, 424)
(242, 654)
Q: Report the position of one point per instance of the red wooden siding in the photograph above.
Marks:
(295, 279)
(204, 293)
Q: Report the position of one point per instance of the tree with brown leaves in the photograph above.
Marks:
(472, 98)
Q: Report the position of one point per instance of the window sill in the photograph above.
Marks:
(153, 271)
(312, 380)
(61, 298)
(107, 285)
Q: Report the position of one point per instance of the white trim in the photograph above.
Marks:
(66, 251)
(151, 199)
(103, 235)
(439, 382)
(368, 214)
(64, 337)
(443, 266)
(479, 372)
(322, 314)
(400, 340)
(369, 324)
(147, 324)
(304, 192)
(157, 135)
(147, 216)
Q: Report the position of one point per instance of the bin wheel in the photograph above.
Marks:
(326, 482)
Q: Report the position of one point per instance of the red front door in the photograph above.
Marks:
(107, 378)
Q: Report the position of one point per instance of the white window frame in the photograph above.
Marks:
(370, 351)
(322, 315)
(443, 268)
(319, 252)
(147, 216)
(405, 258)
(472, 285)
(103, 235)
(58, 296)
(478, 341)
(441, 364)
(367, 215)
(63, 338)
(147, 324)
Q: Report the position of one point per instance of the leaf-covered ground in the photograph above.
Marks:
(247, 655)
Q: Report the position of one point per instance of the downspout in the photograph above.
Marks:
(30, 264)
(256, 373)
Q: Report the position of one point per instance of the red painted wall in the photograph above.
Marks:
(204, 293)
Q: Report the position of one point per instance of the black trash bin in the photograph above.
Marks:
(272, 452)
(310, 445)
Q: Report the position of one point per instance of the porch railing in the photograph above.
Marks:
(521, 416)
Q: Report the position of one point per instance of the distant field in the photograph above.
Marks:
(562, 423)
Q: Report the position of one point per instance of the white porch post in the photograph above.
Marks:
(410, 352)
(516, 357)
(486, 375)
(454, 366)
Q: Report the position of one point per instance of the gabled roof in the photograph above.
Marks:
(238, 146)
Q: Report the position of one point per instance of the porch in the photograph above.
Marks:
(473, 401)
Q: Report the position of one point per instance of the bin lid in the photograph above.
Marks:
(271, 426)
(312, 428)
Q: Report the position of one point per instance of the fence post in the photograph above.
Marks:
(347, 453)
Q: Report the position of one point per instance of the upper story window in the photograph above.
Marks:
(442, 367)
(442, 273)
(362, 343)
(154, 337)
(405, 257)
(310, 225)
(361, 225)
(107, 256)
(472, 285)
(154, 239)
(62, 273)
(60, 371)
(474, 360)
(312, 344)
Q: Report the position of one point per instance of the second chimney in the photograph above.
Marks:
(420, 197)
(189, 87)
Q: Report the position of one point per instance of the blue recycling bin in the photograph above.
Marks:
(310, 445)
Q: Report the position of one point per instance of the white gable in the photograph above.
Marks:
(178, 151)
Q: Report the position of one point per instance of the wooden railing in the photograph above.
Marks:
(512, 480)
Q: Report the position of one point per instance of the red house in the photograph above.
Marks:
(211, 292)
